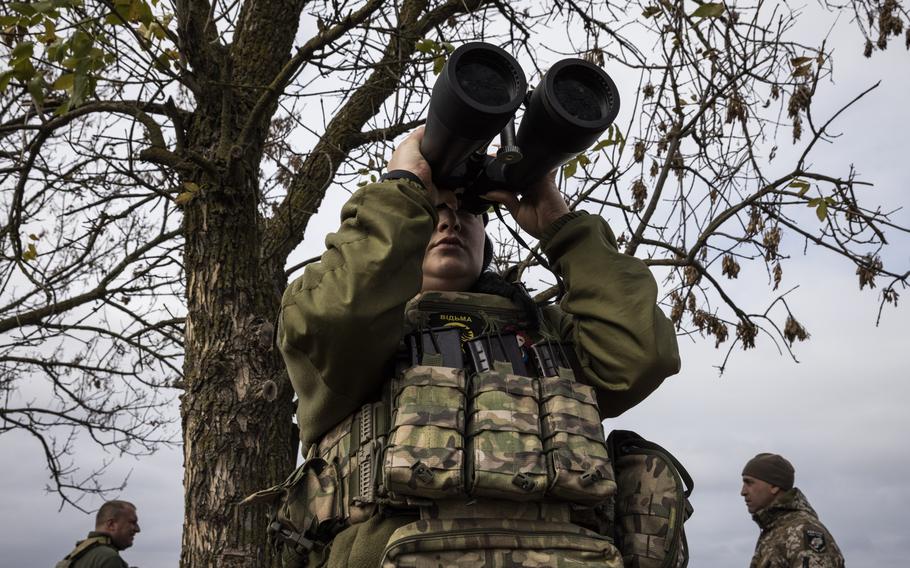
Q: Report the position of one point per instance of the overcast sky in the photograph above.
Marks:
(840, 415)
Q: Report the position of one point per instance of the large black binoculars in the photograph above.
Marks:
(476, 97)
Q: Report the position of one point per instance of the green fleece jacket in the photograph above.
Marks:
(342, 321)
(101, 555)
(352, 302)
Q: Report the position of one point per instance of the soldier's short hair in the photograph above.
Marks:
(111, 511)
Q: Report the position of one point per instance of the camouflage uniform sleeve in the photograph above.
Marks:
(777, 560)
(810, 545)
(625, 344)
(340, 322)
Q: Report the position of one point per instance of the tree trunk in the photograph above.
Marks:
(237, 408)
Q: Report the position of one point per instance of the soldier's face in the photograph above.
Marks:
(123, 529)
(757, 493)
(454, 255)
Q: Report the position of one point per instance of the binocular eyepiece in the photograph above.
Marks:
(476, 97)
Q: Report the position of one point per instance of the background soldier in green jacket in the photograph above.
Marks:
(116, 524)
(791, 534)
(342, 322)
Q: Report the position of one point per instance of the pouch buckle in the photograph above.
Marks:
(523, 482)
(590, 477)
(423, 473)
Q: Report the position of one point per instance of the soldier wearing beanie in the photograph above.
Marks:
(791, 534)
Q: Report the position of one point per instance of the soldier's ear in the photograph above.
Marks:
(775, 490)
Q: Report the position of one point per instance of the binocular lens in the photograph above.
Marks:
(581, 97)
(485, 83)
(570, 108)
(476, 97)
(477, 93)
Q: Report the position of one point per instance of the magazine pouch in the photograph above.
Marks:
(504, 449)
(425, 453)
(573, 441)
(497, 543)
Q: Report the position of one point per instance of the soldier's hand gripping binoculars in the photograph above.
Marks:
(476, 97)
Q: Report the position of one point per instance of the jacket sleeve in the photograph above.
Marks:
(341, 321)
(625, 344)
(113, 562)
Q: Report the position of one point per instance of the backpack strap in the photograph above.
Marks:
(82, 547)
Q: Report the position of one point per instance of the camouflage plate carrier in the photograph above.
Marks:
(484, 432)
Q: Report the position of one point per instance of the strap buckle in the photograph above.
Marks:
(423, 473)
(299, 543)
(523, 482)
(590, 477)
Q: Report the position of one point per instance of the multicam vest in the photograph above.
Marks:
(484, 432)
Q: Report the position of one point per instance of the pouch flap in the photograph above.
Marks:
(505, 542)
(424, 375)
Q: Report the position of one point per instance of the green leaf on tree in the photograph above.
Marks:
(802, 186)
(570, 168)
(35, 88)
(43, 6)
(184, 198)
(30, 253)
(650, 11)
(4, 81)
(80, 44)
(50, 32)
(710, 10)
(427, 46)
(64, 82)
(24, 8)
(82, 87)
(21, 52)
(822, 211)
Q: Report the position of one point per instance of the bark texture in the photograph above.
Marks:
(237, 407)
